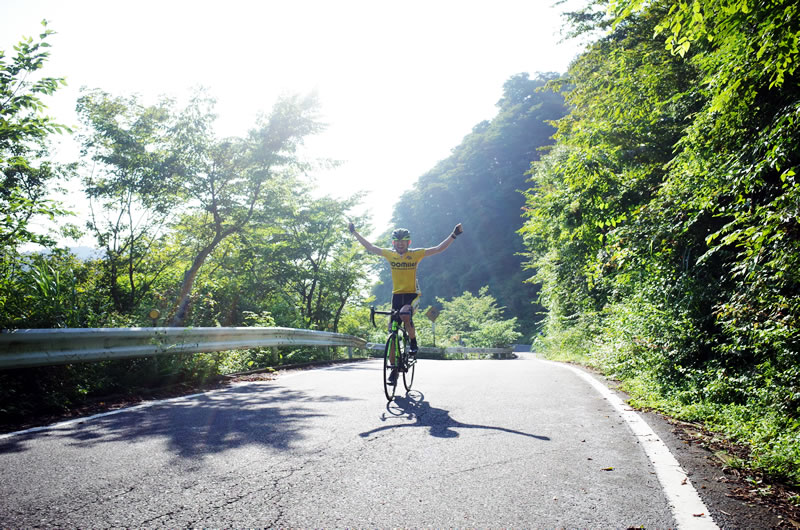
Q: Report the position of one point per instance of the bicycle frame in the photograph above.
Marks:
(398, 330)
(396, 356)
(400, 337)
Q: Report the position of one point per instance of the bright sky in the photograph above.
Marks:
(400, 83)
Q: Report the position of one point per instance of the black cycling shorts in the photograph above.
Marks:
(400, 300)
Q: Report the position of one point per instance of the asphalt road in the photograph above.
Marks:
(514, 443)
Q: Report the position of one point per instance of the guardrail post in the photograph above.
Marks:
(350, 352)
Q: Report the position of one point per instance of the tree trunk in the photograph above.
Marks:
(232, 311)
(185, 295)
(339, 313)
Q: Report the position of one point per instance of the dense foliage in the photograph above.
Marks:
(663, 226)
(24, 171)
(479, 185)
(476, 322)
(208, 231)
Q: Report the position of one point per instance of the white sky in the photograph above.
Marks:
(400, 83)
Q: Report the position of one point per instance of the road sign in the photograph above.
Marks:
(432, 313)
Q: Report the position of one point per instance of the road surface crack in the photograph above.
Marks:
(271, 492)
(102, 500)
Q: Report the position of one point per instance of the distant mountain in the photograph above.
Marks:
(86, 253)
(479, 185)
(83, 253)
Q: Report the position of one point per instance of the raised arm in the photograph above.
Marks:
(446, 243)
(372, 249)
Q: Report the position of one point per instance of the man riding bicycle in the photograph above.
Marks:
(403, 261)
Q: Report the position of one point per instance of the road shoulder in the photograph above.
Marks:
(733, 501)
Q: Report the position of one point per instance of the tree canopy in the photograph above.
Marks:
(24, 169)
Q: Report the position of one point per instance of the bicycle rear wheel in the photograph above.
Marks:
(389, 388)
(409, 363)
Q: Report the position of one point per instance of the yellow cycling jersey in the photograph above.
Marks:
(404, 269)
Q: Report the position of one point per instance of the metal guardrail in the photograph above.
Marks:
(45, 347)
(495, 353)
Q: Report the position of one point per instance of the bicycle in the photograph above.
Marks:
(397, 343)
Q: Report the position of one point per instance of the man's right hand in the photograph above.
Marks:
(457, 231)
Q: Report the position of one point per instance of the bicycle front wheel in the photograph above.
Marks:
(410, 363)
(388, 387)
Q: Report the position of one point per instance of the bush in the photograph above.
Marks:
(475, 321)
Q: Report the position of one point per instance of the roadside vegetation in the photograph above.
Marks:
(663, 224)
(639, 214)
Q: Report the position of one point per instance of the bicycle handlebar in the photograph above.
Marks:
(373, 312)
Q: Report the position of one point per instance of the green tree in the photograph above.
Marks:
(227, 178)
(25, 173)
(585, 212)
(243, 274)
(26, 179)
(476, 321)
(133, 185)
(293, 261)
(158, 169)
(319, 267)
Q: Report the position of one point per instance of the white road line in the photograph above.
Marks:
(687, 507)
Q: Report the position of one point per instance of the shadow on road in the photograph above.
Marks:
(201, 425)
(438, 421)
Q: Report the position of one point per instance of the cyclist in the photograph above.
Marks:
(405, 288)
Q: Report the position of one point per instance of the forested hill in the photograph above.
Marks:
(479, 185)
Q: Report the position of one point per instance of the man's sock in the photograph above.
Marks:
(413, 344)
